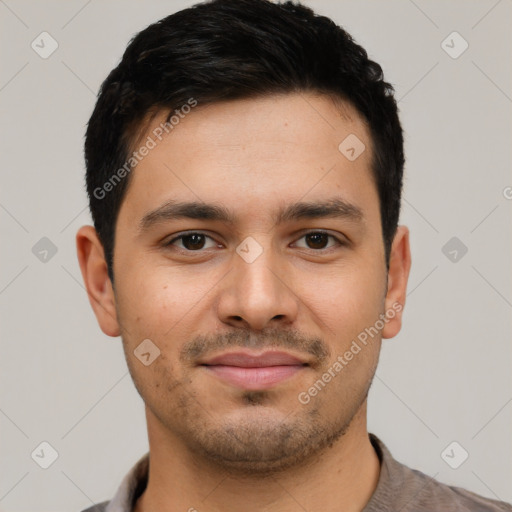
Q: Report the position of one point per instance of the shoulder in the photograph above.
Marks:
(409, 490)
(99, 507)
(450, 498)
(133, 484)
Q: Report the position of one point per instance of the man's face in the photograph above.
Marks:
(249, 313)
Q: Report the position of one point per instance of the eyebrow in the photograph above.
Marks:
(173, 210)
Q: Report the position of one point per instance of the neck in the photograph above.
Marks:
(344, 475)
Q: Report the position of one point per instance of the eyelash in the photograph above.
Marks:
(339, 242)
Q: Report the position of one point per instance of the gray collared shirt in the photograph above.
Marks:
(399, 489)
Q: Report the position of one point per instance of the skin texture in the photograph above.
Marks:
(214, 445)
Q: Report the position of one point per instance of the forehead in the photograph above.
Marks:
(259, 151)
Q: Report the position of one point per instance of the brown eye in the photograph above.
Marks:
(318, 240)
(192, 242)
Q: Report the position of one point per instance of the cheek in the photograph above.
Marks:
(159, 382)
(152, 302)
(167, 308)
(346, 299)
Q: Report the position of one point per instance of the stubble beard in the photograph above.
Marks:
(261, 445)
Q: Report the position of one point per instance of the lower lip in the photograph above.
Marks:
(254, 378)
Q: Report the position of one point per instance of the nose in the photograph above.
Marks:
(257, 294)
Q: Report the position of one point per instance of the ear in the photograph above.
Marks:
(398, 275)
(97, 282)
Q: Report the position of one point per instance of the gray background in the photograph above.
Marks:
(446, 377)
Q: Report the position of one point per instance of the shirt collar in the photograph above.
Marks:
(134, 483)
(131, 487)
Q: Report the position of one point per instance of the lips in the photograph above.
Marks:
(248, 360)
(254, 371)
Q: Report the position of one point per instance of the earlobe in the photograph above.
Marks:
(398, 275)
(99, 288)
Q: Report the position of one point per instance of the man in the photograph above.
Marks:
(244, 170)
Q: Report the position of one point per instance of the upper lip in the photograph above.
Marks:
(253, 360)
